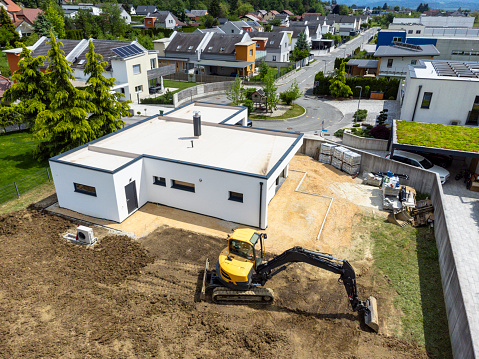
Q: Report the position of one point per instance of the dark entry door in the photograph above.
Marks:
(131, 199)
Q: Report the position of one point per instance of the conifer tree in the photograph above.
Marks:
(8, 35)
(30, 86)
(42, 25)
(64, 124)
(106, 117)
(56, 19)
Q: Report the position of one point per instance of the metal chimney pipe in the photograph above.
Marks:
(197, 124)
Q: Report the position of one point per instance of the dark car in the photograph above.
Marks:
(436, 158)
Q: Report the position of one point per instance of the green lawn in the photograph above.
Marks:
(441, 136)
(294, 111)
(180, 85)
(16, 157)
(4, 68)
(408, 258)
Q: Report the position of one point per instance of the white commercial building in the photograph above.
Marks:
(229, 172)
(444, 92)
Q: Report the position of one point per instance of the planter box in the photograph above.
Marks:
(377, 95)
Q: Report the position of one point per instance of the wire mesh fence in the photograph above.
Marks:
(23, 185)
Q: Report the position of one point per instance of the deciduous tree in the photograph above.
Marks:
(64, 124)
(55, 16)
(270, 90)
(106, 116)
(235, 92)
(291, 94)
(8, 35)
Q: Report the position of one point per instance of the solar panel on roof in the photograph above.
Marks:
(128, 50)
(455, 69)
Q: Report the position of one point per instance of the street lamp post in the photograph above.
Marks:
(360, 91)
(325, 63)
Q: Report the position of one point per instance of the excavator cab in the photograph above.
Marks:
(243, 243)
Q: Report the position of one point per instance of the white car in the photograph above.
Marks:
(416, 160)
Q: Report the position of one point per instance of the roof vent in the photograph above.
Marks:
(197, 124)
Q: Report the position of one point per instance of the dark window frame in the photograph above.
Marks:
(390, 63)
(159, 181)
(235, 196)
(182, 185)
(426, 103)
(85, 189)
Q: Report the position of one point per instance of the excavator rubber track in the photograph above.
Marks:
(223, 295)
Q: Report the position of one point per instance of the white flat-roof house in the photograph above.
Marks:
(444, 92)
(228, 172)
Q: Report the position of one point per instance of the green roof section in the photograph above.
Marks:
(449, 137)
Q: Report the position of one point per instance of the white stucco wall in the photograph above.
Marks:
(241, 116)
(104, 205)
(399, 65)
(211, 191)
(451, 100)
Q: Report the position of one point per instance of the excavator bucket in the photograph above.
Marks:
(401, 218)
(371, 316)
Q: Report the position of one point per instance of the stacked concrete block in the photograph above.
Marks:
(327, 148)
(325, 159)
(352, 158)
(337, 163)
(339, 152)
(352, 170)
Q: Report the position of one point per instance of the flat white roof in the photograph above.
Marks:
(227, 147)
(426, 70)
(214, 113)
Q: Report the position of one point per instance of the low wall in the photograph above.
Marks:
(459, 332)
(186, 95)
(364, 143)
(420, 179)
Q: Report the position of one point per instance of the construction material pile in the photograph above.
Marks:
(341, 158)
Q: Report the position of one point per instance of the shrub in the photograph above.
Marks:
(356, 125)
(290, 94)
(380, 132)
(382, 117)
(166, 98)
(369, 127)
(339, 133)
(361, 132)
(360, 115)
(249, 103)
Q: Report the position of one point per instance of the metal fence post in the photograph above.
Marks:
(48, 174)
(16, 188)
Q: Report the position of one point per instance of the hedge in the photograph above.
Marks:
(388, 86)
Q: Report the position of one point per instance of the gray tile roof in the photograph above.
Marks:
(223, 41)
(363, 63)
(145, 9)
(185, 42)
(399, 50)
(274, 37)
(295, 29)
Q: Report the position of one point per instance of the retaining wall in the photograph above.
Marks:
(186, 95)
(428, 182)
(364, 143)
(459, 331)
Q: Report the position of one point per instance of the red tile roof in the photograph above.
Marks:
(11, 6)
(4, 84)
(29, 15)
(274, 12)
(288, 12)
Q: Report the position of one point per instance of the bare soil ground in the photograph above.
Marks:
(127, 299)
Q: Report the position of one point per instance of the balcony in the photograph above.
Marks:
(260, 55)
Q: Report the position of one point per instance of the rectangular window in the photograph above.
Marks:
(236, 196)
(160, 181)
(257, 44)
(390, 62)
(83, 188)
(426, 100)
(251, 52)
(153, 64)
(136, 69)
(184, 186)
(413, 62)
(397, 38)
(139, 88)
(418, 31)
(274, 57)
(475, 106)
(409, 31)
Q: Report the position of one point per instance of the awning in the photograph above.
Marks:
(235, 64)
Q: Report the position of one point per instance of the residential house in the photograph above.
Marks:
(261, 14)
(29, 15)
(145, 10)
(127, 61)
(194, 15)
(276, 45)
(223, 20)
(361, 67)
(213, 29)
(163, 19)
(287, 12)
(283, 18)
(445, 92)
(270, 15)
(71, 10)
(132, 9)
(293, 34)
(255, 26)
(10, 6)
(394, 60)
(236, 27)
(311, 15)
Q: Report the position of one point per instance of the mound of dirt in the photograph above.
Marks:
(127, 299)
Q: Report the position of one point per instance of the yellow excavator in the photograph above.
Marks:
(241, 272)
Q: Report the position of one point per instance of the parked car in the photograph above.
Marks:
(436, 158)
(240, 123)
(416, 160)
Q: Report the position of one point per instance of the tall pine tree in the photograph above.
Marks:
(42, 25)
(8, 35)
(30, 86)
(64, 124)
(56, 18)
(106, 117)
